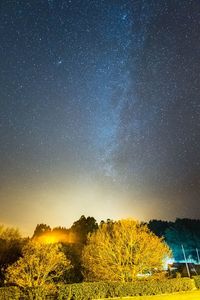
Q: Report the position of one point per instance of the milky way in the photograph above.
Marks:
(100, 110)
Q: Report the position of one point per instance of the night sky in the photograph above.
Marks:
(100, 110)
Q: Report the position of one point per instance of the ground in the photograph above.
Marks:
(195, 295)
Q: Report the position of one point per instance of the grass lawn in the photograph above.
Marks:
(195, 295)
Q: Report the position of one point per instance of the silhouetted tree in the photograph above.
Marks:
(60, 229)
(82, 227)
(159, 227)
(73, 252)
(41, 229)
(184, 232)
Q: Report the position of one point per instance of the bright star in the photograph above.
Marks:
(59, 62)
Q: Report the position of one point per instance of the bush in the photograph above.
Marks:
(12, 292)
(98, 290)
(197, 281)
(83, 291)
(87, 291)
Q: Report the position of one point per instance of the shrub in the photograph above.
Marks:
(87, 291)
(83, 291)
(98, 290)
(31, 269)
(178, 275)
(197, 281)
(12, 292)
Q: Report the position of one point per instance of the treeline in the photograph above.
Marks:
(184, 232)
(112, 251)
(74, 239)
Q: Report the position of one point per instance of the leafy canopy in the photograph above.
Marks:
(40, 264)
(118, 251)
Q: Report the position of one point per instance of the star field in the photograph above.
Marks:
(100, 110)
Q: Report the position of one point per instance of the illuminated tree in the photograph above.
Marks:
(9, 233)
(118, 251)
(10, 248)
(40, 265)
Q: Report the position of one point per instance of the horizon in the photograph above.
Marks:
(26, 234)
(100, 112)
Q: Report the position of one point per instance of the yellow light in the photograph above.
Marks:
(50, 239)
(56, 237)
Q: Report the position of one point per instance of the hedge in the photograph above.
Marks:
(88, 291)
(11, 292)
(98, 290)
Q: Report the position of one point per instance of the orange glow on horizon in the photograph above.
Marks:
(56, 237)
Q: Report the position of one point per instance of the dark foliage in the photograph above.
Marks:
(84, 226)
(159, 227)
(10, 252)
(184, 232)
(41, 229)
